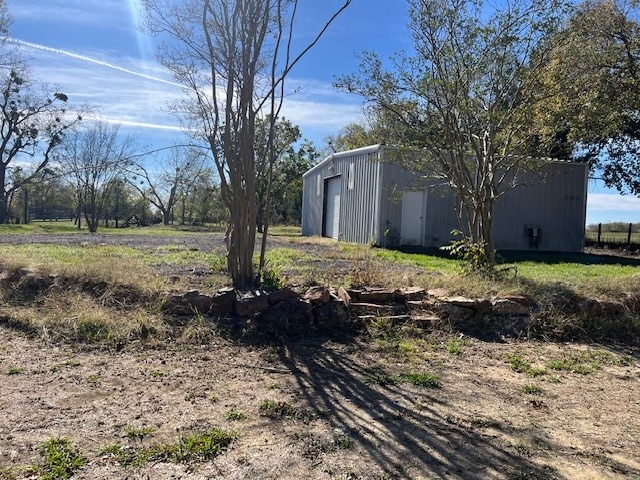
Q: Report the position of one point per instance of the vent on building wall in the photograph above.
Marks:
(533, 235)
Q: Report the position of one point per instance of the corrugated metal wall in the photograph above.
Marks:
(359, 172)
(541, 216)
(545, 216)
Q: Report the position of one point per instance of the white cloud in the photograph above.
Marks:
(613, 202)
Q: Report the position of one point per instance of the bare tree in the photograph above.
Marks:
(33, 122)
(93, 159)
(466, 96)
(233, 58)
(164, 186)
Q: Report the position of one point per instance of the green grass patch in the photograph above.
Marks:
(531, 389)
(134, 433)
(587, 362)
(195, 447)
(16, 370)
(425, 380)
(234, 415)
(519, 364)
(61, 459)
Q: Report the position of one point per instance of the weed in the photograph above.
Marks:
(531, 389)
(425, 380)
(314, 445)
(137, 433)
(199, 331)
(72, 363)
(274, 409)
(272, 278)
(198, 446)
(16, 370)
(454, 346)
(157, 373)
(93, 380)
(61, 459)
(234, 414)
(586, 362)
(520, 365)
(379, 376)
(126, 456)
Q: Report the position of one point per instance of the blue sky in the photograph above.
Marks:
(92, 51)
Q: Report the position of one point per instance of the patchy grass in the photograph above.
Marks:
(61, 459)
(425, 380)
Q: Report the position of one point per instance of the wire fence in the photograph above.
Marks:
(628, 238)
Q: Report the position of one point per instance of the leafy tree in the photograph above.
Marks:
(233, 58)
(590, 92)
(94, 160)
(465, 97)
(285, 134)
(286, 200)
(33, 122)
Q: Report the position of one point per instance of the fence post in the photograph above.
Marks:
(629, 236)
(599, 231)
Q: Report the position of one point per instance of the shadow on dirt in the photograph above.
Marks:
(399, 427)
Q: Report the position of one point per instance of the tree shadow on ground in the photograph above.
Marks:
(402, 429)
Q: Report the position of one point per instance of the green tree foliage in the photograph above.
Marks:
(590, 93)
(286, 201)
(465, 96)
(269, 157)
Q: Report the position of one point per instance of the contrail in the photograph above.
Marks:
(92, 60)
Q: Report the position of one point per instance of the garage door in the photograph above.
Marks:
(332, 206)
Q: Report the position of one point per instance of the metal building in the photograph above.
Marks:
(361, 196)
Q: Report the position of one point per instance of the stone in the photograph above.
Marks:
(330, 315)
(292, 316)
(223, 302)
(413, 293)
(281, 295)
(521, 299)
(318, 294)
(377, 295)
(251, 304)
(464, 302)
(190, 303)
(507, 307)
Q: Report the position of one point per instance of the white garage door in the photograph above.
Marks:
(332, 212)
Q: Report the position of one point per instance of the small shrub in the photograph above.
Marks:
(15, 370)
(61, 459)
(272, 278)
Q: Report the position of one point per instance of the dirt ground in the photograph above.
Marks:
(351, 412)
